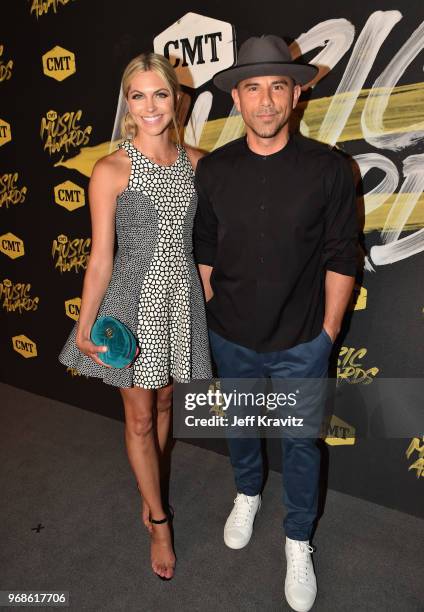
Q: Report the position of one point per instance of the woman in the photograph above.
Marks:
(145, 191)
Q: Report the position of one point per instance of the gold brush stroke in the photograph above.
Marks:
(85, 160)
(405, 107)
(377, 218)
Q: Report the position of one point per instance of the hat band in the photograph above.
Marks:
(268, 62)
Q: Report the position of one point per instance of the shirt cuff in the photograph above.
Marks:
(348, 267)
(204, 254)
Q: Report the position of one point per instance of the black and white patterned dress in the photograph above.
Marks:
(155, 288)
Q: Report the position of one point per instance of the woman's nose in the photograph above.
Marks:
(150, 103)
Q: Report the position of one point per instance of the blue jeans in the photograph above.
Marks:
(301, 456)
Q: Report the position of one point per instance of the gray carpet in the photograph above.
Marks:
(67, 469)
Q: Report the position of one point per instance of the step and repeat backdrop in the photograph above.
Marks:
(60, 68)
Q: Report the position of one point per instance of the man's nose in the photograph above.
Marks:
(266, 99)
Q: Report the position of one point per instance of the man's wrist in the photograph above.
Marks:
(332, 330)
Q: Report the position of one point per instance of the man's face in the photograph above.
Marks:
(266, 103)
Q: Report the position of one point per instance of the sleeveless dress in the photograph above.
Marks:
(154, 288)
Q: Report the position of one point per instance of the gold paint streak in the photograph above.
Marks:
(85, 160)
(213, 129)
(377, 218)
(405, 107)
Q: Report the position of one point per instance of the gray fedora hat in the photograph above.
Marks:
(265, 55)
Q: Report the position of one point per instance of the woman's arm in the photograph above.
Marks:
(105, 185)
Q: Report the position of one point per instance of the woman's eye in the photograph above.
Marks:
(162, 94)
(136, 96)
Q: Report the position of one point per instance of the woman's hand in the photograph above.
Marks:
(91, 350)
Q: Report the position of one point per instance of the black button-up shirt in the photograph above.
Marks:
(271, 226)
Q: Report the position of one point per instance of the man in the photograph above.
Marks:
(276, 243)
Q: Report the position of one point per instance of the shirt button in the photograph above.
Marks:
(262, 235)
(261, 259)
(262, 207)
(263, 179)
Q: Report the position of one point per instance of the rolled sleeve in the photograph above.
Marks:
(340, 252)
(205, 222)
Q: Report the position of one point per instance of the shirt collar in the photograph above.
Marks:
(277, 155)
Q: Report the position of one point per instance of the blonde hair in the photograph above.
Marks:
(143, 63)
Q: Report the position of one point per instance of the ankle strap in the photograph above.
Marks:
(156, 522)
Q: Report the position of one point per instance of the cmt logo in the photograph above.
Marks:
(58, 63)
(198, 47)
(5, 132)
(24, 346)
(69, 195)
(11, 245)
(72, 308)
(339, 432)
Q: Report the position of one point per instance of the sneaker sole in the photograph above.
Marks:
(236, 545)
(297, 607)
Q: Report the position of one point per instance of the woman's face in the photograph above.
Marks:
(150, 103)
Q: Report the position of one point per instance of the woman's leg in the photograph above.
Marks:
(164, 414)
(163, 405)
(143, 456)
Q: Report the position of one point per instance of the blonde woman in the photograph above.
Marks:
(144, 191)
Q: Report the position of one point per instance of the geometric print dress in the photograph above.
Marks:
(155, 288)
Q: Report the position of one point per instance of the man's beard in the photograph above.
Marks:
(269, 134)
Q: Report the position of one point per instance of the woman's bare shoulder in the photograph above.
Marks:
(113, 170)
(114, 162)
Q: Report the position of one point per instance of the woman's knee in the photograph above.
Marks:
(164, 401)
(138, 406)
(138, 413)
(139, 423)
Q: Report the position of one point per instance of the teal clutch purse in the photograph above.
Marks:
(120, 341)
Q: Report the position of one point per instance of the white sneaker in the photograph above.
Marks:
(239, 526)
(300, 587)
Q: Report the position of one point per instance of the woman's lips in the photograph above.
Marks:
(153, 119)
